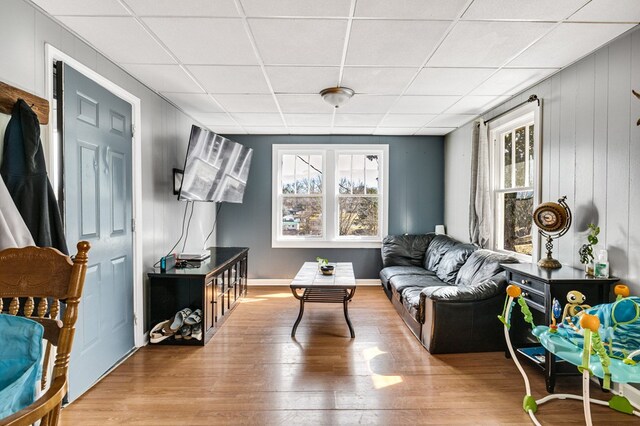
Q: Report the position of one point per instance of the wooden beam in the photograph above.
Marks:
(9, 95)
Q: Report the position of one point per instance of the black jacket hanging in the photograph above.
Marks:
(25, 174)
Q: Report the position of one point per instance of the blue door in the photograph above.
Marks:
(97, 138)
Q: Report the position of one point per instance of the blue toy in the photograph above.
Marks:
(602, 340)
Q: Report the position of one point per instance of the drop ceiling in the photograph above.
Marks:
(418, 67)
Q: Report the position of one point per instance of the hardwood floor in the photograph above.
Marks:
(253, 372)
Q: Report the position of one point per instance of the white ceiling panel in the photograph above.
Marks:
(475, 104)
(423, 104)
(164, 78)
(609, 11)
(406, 120)
(230, 79)
(228, 130)
(82, 7)
(448, 81)
(353, 130)
(279, 8)
(538, 10)
(121, 39)
(258, 119)
(409, 9)
(486, 44)
(299, 41)
(304, 104)
(368, 104)
(393, 43)
(266, 130)
(451, 120)
(247, 103)
(377, 81)
(357, 120)
(310, 130)
(434, 131)
(310, 120)
(403, 131)
(214, 119)
(202, 8)
(309, 80)
(193, 102)
(554, 51)
(509, 81)
(211, 41)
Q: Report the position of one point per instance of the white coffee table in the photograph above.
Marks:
(319, 288)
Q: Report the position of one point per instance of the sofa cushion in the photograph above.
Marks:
(438, 247)
(391, 271)
(453, 260)
(467, 293)
(482, 265)
(401, 282)
(405, 250)
(411, 302)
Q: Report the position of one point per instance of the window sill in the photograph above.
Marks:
(326, 244)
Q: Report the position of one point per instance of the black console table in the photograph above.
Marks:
(214, 285)
(539, 287)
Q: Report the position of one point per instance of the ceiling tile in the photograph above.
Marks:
(304, 104)
(539, 10)
(211, 41)
(406, 120)
(309, 80)
(247, 103)
(451, 120)
(353, 130)
(448, 81)
(402, 131)
(423, 104)
(259, 119)
(279, 8)
(410, 9)
(475, 104)
(434, 131)
(509, 81)
(486, 44)
(377, 81)
(384, 42)
(266, 130)
(357, 120)
(313, 120)
(121, 39)
(82, 7)
(202, 8)
(228, 130)
(609, 11)
(193, 102)
(310, 130)
(164, 78)
(299, 41)
(553, 50)
(214, 118)
(368, 104)
(230, 79)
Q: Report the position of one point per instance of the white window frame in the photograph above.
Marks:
(530, 113)
(330, 237)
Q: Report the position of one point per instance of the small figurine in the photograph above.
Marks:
(556, 312)
(576, 304)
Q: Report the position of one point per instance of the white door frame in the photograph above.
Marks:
(53, 54)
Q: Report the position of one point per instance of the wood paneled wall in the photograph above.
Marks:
(590, 152)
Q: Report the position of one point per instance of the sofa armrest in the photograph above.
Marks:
(405, 250)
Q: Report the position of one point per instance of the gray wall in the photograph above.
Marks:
(591, 153)
(165, 130)
(416, 194)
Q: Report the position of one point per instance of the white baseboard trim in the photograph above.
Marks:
(258, 282)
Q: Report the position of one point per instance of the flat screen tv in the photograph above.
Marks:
(215, 169)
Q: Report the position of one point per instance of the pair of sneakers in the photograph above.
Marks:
(187, 324)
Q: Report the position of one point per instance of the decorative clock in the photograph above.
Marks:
(553, 221)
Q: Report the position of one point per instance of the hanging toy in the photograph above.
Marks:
(556, 314)
(576, 304)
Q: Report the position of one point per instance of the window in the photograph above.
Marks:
(329, 195)
(515, 181)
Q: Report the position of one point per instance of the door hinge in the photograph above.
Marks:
(135, 319)
(133, 129)
(133, 225)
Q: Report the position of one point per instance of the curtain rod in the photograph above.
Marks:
(532, 98)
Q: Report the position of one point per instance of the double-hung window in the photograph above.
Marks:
(515, 181)
(329, 195)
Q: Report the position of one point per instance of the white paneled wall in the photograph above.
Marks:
(165, 130)
(591, 153)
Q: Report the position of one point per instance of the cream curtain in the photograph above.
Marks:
(480, 213)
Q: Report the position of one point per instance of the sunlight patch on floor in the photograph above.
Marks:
(252, 300)
(278, 295)
(380, 381)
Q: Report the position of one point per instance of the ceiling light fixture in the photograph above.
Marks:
(336, 96)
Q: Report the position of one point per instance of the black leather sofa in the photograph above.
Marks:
(447, 292)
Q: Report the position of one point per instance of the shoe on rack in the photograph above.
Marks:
(178, 319)
(159, 332)
(194, 318)
(196, 331)
(185, 331)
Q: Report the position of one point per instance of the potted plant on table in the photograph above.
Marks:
(586, 251)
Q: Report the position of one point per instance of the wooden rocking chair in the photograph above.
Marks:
(30, 273)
